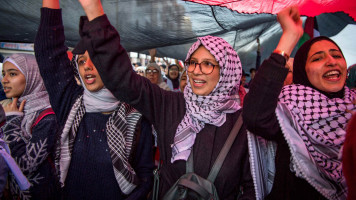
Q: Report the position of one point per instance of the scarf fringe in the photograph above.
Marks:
(120, 130)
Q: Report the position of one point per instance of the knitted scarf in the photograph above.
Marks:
(120, 130)
(210, 109)
(319, 132)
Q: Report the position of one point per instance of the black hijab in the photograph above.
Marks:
(299, 72)
(175, 81)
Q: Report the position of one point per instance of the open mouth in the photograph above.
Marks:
(6, 89)
(198, 83)
(332, 75)
(89, 79)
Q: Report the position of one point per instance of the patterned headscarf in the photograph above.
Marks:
(210, 109)
(320, 123)
(35, 92)
(320, 119)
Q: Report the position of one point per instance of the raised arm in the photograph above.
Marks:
(92, 8)
(261, 101)
(53, 62)
(115, 69)
(53, 4)
(292, 26)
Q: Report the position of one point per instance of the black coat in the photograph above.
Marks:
(259, 116)
(166, 110)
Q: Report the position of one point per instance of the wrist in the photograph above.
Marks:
(282, 53)
(53, 4)
(93, 11)
(287, 42)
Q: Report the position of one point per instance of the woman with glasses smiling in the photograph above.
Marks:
(153, 73)
(198, 120)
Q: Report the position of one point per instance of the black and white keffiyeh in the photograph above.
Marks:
(210, 109)
(316, 135)
(120, 130)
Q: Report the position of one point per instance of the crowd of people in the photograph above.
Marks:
(92, 126)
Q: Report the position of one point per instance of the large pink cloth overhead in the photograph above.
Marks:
(307, 7)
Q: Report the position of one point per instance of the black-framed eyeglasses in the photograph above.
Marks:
(151, 71)
(206, 67)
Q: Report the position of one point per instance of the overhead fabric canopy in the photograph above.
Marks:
(171, 26)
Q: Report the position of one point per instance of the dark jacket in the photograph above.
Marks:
(34, 157)
(91, 165)
(260, 118)
(165, 110)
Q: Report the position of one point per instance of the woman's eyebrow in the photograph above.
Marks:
(316, 53)
(320, 52)
(10, 70)
(334, 50)
(205, 59)
(79, 57)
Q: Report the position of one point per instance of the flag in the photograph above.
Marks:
(310, 30)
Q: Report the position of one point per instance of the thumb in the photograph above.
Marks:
(22, 105)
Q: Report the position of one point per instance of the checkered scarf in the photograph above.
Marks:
(320, 126)
(120, 130)
(210, 109)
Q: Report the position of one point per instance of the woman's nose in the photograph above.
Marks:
(88, 66)
(4, 79)
(197, 69)
(331, 61)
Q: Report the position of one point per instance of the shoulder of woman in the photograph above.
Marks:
(45, 117)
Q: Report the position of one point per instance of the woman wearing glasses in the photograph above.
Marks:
(153, 73)
(198, 120)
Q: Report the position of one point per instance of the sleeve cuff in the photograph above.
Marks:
(100, 22)
(274, 69)
(16, 113)
(85, 27)
(51, 17)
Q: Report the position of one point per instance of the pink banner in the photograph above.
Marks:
(307, 7)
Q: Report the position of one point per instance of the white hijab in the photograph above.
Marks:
(99, 101)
